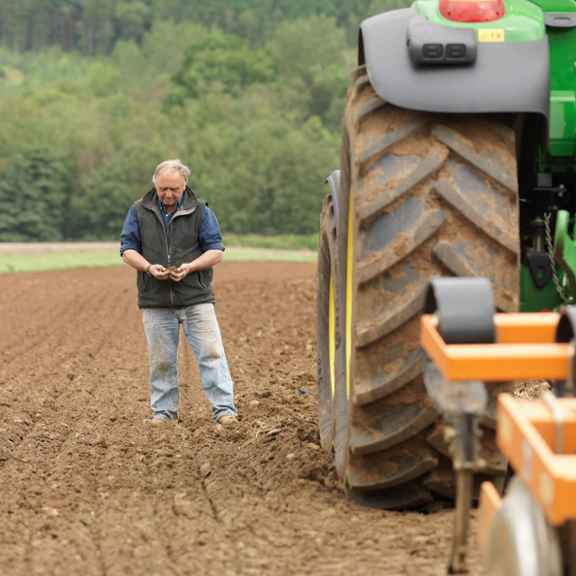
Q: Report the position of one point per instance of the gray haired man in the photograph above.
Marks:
(172, 239)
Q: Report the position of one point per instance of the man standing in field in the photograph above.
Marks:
(172, 239)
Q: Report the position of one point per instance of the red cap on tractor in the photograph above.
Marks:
(472, 10)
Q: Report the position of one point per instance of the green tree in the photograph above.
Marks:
(323, 79)
(97, 26)
(222, 59)
(34, 195)
(133, 20)
(164, 47)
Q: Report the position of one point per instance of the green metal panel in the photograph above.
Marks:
(556, 5)
(523, 21)
(563, 92)
(533, 299)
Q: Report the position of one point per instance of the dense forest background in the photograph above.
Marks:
(94, 93)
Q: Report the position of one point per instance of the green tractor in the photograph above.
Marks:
(458, 159)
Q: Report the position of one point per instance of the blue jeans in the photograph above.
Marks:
(162, 328)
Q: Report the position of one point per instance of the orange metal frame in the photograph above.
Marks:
(526, 431)
(526, 436)
(525, 350)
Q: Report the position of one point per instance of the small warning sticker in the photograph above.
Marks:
(492, 35)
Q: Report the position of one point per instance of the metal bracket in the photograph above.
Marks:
(458, 321)
(560, 19)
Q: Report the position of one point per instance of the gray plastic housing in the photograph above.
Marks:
(503, 78)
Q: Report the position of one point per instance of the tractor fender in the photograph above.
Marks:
(503, 77)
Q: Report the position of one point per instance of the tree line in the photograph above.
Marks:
(94, 26)
(93, 94)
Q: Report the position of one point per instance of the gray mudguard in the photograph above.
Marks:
(503, 78)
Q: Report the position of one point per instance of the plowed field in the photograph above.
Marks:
(89, 487)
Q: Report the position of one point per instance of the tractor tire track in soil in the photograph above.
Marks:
(90, 487)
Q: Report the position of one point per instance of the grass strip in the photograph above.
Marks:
(10, 263)
(281, 242)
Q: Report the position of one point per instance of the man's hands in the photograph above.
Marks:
(180, 273)
(158, 271)
(177, 274)
(208, 260)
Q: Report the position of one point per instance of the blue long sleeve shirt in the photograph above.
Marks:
(209, 234)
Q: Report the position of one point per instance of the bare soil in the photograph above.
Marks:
(88, 486)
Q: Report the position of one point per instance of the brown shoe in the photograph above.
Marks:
(227, 420)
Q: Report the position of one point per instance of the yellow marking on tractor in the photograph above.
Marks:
(332, 337)
(492, 35)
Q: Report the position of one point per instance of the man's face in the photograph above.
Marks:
(170, 186)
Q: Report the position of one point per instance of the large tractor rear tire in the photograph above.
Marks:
(421, 195)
